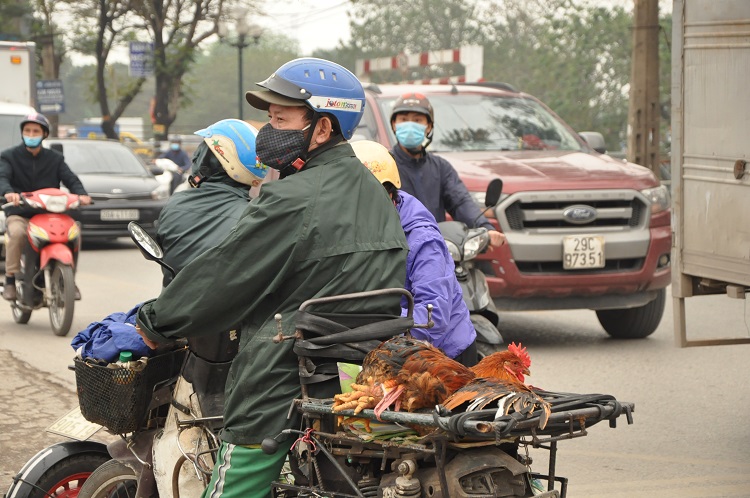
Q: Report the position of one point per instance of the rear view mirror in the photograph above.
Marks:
(494, 189)
(148, 246)
(57, 146)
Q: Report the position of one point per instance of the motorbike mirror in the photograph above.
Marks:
(148, 246)
(494, 189)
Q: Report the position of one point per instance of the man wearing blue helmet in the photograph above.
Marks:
(326, 228)
(225, 167)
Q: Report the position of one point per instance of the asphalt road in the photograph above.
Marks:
(690, 436)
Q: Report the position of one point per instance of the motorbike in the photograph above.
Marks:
(464, 245)
(46, 277)
(167, 417)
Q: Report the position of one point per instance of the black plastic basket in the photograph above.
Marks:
(120, 399)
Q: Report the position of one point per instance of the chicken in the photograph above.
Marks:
(509, 394)
(413, 374)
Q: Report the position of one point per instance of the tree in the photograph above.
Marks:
(177, 28)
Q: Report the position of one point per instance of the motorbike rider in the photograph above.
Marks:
(428, 177)
(430, 275)
(180, 158)
(324, 229)
(225, 167)
(24, 168)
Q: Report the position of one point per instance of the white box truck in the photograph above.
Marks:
(710, 155)
(18, 91)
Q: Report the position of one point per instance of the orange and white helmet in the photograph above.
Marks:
(233, 143)
(378, 160)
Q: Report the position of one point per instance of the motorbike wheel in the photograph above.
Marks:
(63, 299)
(111, 480)
(65, 478)
(20, 316)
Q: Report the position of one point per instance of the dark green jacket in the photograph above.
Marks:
(197, 219)
(329, 229)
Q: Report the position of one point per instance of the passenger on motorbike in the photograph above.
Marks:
(324, 229)
(428, 177)
(225, 167)
(24, 168)
(430, 275)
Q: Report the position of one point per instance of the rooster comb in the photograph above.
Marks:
(520, 351)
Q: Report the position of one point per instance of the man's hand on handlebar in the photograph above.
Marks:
(496, 238)
(13, 197)
(85, 200)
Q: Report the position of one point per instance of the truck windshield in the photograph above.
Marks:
(491, 122)
(10, 131)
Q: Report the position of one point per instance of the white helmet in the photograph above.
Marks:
(233, 143)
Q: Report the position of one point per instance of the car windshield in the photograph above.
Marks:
(10, 131)
(89, 157)
(491, 122)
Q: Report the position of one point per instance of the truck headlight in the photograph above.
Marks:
(658, 197)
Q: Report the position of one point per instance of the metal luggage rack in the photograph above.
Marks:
(571, 415)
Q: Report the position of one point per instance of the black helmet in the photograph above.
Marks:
(39, 119)
(413, 102)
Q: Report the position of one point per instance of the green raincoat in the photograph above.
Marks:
(329, 229)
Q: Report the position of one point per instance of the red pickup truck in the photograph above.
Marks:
(584, 230)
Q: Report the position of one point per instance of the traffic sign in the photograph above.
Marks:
(50, 97)
(141, 59)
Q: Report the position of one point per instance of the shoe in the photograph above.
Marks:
(9, 292)
(78, 294)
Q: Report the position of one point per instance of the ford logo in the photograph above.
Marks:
(579, 214)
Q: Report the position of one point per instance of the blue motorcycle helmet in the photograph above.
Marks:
(321, 85)
(232, 143)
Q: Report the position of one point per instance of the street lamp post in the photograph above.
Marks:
(244, 31)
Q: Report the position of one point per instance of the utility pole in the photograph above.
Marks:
(644, 113)
(49, 72)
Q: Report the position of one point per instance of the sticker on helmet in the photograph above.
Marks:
(335, 104)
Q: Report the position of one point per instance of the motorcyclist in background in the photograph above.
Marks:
(428, 177)
(430, 275)
(225, 167)
(180, 158)
(24, 168)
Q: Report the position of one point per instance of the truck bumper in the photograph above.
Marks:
(609, 288)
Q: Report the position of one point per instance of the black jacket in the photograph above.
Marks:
(21, 171)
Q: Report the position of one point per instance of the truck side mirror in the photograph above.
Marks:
(595, 141)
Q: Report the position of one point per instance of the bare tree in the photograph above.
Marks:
(177, 28)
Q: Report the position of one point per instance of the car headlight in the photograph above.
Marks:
(453, 250)
(476, 244)
(658, 197)
(160, 193)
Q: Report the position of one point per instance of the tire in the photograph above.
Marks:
(111, 480)
(20, 316)
(65, 478)
(634, 323)
(62, 306)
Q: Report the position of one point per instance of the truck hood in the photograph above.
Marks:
(548, 170)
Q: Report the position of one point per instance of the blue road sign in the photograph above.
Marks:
(50, 97)
(141, 59)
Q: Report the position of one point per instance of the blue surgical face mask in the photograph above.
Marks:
(174, 146)
(410, 134)
(32, 142)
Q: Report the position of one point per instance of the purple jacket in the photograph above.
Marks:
(431, 279)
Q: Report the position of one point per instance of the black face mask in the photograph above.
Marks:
(283, 150)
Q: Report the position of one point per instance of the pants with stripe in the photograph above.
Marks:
(245, 471)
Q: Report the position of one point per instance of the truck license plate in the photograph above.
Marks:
(119, 214)
(582, 252)
(74, 426)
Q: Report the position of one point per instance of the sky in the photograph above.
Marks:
(316, 24)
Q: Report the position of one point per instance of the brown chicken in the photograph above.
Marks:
(413, 374)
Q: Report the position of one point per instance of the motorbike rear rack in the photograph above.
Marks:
(571, 415)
